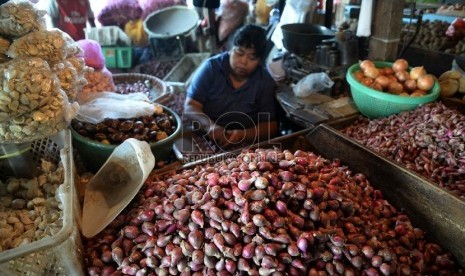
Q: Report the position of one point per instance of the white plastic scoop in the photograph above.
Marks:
(115, 184)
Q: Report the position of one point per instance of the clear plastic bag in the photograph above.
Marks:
(99, 81)
(51, 45)
(70, 80)
(232, 15)
(92, 53)
(311, 84)
(95, 107)
(20, 17)
(28, 84)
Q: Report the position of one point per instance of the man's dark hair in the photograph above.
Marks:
(251, 36)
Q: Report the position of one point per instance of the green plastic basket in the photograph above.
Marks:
(95, 154)
(375, 104)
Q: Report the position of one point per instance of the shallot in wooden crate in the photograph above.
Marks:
(266, 211)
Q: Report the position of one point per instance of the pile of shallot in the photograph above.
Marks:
(428, 140)
(264, 212)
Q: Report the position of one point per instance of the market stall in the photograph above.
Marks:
(369, 181)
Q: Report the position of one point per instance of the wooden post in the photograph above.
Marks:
(386, 29)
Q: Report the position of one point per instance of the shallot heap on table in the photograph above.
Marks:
(264, 212)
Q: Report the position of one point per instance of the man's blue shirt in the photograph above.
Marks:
(226, 105)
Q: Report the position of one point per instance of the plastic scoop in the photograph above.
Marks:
(115, 184)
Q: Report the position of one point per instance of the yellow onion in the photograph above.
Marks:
(358, 75)
(402, 75)
(418, 93)
(410, 85)
(366, 64)
(417, 72)
(395, 88)
(376, 86)
(400, 65)
(383, 81)
(371, 72)
(425, 82)
(367, 81)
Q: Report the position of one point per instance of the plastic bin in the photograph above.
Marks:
(62, 253)
(108, 36)
(181, 75)
(109, 53)
(118, 57)
(124, 57)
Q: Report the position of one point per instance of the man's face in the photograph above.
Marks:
(243, 61)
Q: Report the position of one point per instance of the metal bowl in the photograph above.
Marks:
(302, 38)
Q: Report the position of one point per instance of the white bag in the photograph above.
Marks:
(312, 83)
(294, 11)
(96, 107)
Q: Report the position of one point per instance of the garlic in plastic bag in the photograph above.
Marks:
(20, 17)
(50, 45)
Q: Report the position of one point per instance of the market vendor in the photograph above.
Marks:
(232, 95)
(71, 16)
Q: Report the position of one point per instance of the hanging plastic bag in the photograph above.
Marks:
(295, 11)
(135, 30)
(119, 12)
(92, 53)
(456, 29)
(96, 107)
(232, 15)
(311, 84)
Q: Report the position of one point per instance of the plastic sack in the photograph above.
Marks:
(311, 84)
(232, 15)
(96, 107)
(149, 6)
(99, 81)
(119, 12)
(456, 29)
(135, 30)
(20, 17)
(92, 53)
(51, 45)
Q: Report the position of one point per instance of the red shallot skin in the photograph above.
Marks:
(306, 215)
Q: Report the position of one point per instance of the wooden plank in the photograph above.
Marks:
(386, 29)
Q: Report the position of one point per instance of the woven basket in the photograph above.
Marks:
(158, 88)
